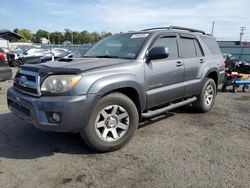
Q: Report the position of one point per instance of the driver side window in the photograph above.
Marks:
(170, 43)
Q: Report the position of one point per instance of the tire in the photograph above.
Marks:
(113, 123)
(224, 88)
(205, 100)
(246, 88)
(18, 63)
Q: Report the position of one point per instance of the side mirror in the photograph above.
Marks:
(159, 52)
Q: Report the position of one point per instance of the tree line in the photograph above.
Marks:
(57, 37)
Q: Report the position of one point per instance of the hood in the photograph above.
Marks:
(74, 66)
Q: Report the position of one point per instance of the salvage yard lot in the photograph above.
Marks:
(178, 149)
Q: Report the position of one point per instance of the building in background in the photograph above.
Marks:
(44, 41)
(6, 35)
(4, 43)
(241, 50)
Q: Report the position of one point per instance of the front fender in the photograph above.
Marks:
(113, 82)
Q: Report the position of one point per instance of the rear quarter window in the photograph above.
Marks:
(211, 44)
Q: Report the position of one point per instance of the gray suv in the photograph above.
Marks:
(121, 80)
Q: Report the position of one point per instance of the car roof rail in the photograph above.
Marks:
(155, 28)
(177, 28)
(187, 29)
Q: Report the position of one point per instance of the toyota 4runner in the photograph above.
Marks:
(121, 80)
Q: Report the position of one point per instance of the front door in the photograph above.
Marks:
(164, 77)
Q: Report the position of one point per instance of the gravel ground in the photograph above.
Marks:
(178, 149)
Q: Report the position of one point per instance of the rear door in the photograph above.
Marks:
(193, 58)
(164, 77)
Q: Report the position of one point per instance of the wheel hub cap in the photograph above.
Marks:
(112, 123)
(209, 95)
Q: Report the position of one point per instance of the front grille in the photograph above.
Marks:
(27, 89)
(27, 82)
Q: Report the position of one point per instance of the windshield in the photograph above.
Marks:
(125, 46)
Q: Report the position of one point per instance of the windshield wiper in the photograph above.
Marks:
(106, 56)
(102, 56)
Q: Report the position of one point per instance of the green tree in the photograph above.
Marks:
(105, 34)
(16, 30)
(84, 36)
(68, 35)
(56, 37)
(40, 34)
(26, 34)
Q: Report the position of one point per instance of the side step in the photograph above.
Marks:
(156, 112)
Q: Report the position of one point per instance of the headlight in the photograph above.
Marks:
(59, 83)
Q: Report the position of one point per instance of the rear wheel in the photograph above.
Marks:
(112, 124)
(206, 99)
(246, 88)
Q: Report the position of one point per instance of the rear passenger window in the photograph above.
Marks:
(191, 48)
(170, 43)
(188, 48)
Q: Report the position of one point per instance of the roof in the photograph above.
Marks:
(8, 35)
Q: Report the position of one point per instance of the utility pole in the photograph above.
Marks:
(242, 29)
(212, 32)
(49, 38)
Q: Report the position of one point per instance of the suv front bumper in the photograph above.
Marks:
(74, 111)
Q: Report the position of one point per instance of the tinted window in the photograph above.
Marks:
(199, 51)
(188, 48)
(170, 43)
(211, 44)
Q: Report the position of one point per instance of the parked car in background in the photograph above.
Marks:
(32, 56)
(230, 59)
(58, 53)
(5, 71)
(3, 57)
(41, 55)
(10, 55)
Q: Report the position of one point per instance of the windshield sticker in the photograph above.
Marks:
(142, 35)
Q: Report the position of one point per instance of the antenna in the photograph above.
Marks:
(212, 32)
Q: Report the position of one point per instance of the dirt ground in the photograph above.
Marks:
(178, 149)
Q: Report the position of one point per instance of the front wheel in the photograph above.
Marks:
(207, 96)
(112, 124)
(246, 88)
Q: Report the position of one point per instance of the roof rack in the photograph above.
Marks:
(187, 29)
(155, 28)
(177, 28)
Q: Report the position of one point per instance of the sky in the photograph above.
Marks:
(127, 15)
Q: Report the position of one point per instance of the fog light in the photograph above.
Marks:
(56, 117)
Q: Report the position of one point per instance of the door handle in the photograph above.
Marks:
(202, 61)
(179, 63)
